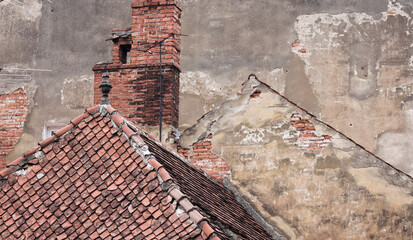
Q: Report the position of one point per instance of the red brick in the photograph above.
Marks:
(14, 106)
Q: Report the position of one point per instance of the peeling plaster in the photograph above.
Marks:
(358, 66)
(201, 84)
(76, 91)
(338, 192)
(371, 179)
(27, 9)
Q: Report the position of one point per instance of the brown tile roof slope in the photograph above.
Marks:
(97, 179)
(216, 201)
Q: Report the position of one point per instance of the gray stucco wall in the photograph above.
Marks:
(324, 71)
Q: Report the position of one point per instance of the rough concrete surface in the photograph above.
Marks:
(65, 38)
(339, 191)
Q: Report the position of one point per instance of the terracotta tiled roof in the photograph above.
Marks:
(100, 177)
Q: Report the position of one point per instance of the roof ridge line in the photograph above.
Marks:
(172, 189)
(329, 126)
(25, 158)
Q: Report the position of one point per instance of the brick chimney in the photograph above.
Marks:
(134, 71)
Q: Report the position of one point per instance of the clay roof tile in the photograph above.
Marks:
(93, 183)
(31, 151)
(16, 161)
(47, 141)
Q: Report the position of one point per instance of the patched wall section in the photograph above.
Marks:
(13, 112)
(305, 178)
(359, 69)
(201, 156)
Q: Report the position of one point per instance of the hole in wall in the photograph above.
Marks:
(125, 53)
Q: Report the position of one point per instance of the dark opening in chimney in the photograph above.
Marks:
(125, 53)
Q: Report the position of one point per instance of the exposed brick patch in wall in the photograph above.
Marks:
(305, 134)
(201, 156)
(13, 111)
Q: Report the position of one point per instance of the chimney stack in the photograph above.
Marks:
(134, 71)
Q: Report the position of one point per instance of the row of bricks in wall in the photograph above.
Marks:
(126, 82)
(169, 46)
(139, 98)
(140, 23)
(173, 61)
(161, 29)
(154, 60)
(145, 105)
(13, 96)
(153, 2)
(135, 98)
(155, 10)
(9, 99)
(151, 33)
(147, 79)
(171, 16)
(139, 71)
(13, 106)
(8, 137)
(142, 87)
(211, 167)
(139, 101)
(8, 144)
(12, 120)
(155, 23)
(11, 116)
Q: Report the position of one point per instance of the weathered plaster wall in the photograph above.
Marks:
(347, 62)
(302, 176)
(65, 38)
(352, 59)
(366, 77)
